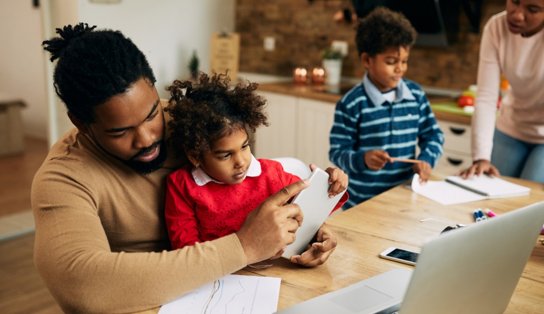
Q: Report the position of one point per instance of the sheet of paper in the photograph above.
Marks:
(231, 294)
(443, 192)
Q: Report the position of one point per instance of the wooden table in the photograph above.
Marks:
(394, 219)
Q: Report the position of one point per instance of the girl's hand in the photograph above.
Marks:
(338, 180)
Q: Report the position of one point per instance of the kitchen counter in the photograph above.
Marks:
(444, 108)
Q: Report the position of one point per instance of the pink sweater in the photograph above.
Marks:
(521, 61)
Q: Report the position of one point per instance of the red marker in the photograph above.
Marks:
(490, 213)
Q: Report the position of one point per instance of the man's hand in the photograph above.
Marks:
(272, 226)
(478, 167)
(376, 159)
(318, 252)
(423, 169)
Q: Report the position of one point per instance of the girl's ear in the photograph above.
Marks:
(194, 161)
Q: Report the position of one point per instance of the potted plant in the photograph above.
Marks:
(193, 65)
(332, 63)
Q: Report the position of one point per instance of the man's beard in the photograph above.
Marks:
(150, 166)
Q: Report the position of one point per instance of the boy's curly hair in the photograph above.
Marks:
(204, 111)
(382, 29)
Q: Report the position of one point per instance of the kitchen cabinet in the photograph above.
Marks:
(278, 139)
(457, 156)
(299, 127)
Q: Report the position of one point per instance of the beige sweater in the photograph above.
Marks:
(101, 244)
(521, 60)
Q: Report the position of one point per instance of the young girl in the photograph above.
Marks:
(210, 128)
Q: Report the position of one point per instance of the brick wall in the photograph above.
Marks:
(302, 29)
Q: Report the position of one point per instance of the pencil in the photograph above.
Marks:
(412, 161)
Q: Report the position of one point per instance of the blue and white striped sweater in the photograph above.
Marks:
(365, 121)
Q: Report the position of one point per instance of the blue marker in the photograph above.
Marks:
(482, 215)
(476, 215)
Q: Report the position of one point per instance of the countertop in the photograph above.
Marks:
(444, 108)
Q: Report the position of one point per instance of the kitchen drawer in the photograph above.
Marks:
(451, 163)
(457, 136)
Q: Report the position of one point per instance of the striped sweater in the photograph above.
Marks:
(364, 120)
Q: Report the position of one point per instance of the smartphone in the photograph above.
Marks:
(400, 255)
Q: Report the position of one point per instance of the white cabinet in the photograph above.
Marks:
(299, 127)
(278, 139)
(315, 120)
(456, 155)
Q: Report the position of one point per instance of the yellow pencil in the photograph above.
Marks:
(412, 161)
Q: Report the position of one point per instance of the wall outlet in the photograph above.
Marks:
(341, 46)
(269, 43)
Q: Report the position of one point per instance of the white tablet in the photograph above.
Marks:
(316, 206)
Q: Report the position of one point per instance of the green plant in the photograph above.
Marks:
(331, 53)
(193, 65)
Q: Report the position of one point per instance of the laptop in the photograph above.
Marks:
(474, 269)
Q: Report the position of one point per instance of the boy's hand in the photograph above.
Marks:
(424, 169)
(338, 180)
(376, 159)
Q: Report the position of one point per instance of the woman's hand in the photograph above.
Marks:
(478, 167)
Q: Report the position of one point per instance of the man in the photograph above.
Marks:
(101, 244)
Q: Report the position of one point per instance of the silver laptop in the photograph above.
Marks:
(474, 269)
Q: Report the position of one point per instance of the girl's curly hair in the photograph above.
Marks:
(206, 110)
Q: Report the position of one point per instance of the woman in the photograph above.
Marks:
(512, 45)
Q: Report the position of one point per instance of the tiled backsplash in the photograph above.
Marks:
(302, 29)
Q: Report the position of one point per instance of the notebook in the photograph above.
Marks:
(456, 190)
(491, 187)
(474, 269)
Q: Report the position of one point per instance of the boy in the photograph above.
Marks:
(384, 116)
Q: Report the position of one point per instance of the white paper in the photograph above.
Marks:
(231, 294)
(492, 187)
(443, 192)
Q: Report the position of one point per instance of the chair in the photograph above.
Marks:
(295, 166)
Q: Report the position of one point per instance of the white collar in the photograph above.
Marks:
(202, 178)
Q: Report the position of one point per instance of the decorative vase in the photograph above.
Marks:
(333, 71)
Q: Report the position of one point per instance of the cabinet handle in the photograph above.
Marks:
(457, 131)
(454, 161)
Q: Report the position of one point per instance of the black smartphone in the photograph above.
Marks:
(400, 255)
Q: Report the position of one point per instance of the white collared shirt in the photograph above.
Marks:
(202, 178)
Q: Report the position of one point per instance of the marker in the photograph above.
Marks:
(481, 214)
(476, 216)
(490, 213)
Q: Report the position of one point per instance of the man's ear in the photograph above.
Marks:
(82, 127)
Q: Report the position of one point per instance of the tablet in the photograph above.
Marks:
(316, 206)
